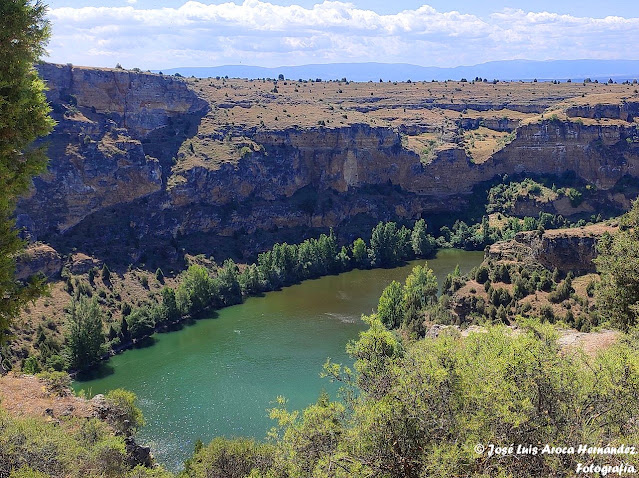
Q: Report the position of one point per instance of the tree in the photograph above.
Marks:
(24, 117)
(617, 294)
(85, 338)
(360, 253)
(195, 292)
(374, 352)
(422, 243)
(140, 323)
(420, 290)
(106, 274)
(389, 310)
(229, 285)
(249, 280)
(169, 304)
(388, 244)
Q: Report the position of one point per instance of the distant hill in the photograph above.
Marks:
(618, 70)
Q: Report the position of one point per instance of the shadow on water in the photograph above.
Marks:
(101, 371)
(144, 343)
(175, 326)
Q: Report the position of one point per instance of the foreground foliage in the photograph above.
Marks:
(618, 266)
(32, 447)
(24, 117)
(422, 408)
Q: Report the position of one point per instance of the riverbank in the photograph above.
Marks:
(218, 377)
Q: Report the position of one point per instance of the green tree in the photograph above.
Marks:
(617, 294)
(140, 323)
(388, 244)
(229, 285)
(249, 280)
(343, 259)
(374, 352)
(85, 338)
(106, 274)
(124, 415)
(196, 291)
(420, 290)
(310, 438)
(423, 244)
(171, 311)
(24, 117)
(360, 253)
(390, 308)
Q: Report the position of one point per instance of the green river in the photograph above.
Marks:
(219, 376)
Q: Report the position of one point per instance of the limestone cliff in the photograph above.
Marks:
(115, 129)
(139, 159)
(569, 250)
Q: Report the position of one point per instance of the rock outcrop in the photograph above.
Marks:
(565, 249)
(38, 258)
(115, 130)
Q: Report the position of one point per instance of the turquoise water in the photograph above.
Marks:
(219, 376)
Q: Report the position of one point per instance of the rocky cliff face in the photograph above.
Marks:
(113, 177)
(115, 130)
(564, 249)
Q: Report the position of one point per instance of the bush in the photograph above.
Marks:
(224, 458)
(31, 366)
(546, 313)
(57, 383)
(34, 448)
(481, 274)
(124, 415)
(429, 405)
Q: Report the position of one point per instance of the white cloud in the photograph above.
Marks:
(258, 32)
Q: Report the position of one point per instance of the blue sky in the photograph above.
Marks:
(163, 34)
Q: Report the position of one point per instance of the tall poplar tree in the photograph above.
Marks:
(24, 117)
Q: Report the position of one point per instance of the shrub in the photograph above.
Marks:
(31, 366)
(223, 458)
(124, 415)
(57, 383)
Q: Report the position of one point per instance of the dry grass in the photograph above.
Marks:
(481, 143)
(27, 396)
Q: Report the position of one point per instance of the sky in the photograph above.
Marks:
(164, 34)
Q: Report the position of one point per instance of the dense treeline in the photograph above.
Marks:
(477, 236)
(202, 290)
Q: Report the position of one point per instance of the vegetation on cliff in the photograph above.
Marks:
(75, 438)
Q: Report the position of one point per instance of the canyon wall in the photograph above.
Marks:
(113, 175)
